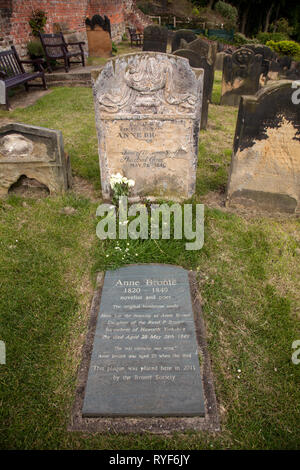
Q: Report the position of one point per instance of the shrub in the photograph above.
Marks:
(37, 21)
(282, 26)
(35, 49)
(263, 38)
(240, 39)
(227, 11)
(289, 48)
(114, 48)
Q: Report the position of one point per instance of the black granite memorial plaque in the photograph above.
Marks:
(145, 354)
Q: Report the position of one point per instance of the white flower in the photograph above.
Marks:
(131, 183)
(115, 179)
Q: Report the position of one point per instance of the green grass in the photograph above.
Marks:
(248, 273)
(216, 94)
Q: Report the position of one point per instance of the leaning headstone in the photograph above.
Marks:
(98, 32)
(185, 34)
(265, 168)
(33, 152)
(148, 109)
(155, 38)
(202, 54)
(193, 58)
(207, 51)
(198, 62)
(204, 49)
(241, 75)
(145, 354)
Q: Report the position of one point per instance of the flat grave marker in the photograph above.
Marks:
(145, 355)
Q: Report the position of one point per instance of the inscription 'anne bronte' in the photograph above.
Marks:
(145, 354)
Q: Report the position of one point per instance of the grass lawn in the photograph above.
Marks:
(248, 273)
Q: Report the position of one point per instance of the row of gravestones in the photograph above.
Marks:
(148, 113)
(245, 70)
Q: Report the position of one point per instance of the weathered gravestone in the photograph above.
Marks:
(145, 355)
(33, 152)
(241, 75)
(219, 60)
(148, 109)
(98, 32)
(202, 54)
(267, 56)
(285, 63)
(265, 167)
(185, 34)
(274, 70)
(155, 38)
(294, 72)
(198, 63)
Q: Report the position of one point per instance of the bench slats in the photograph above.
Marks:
(12, 73)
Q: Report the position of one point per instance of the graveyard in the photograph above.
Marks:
(203, 144)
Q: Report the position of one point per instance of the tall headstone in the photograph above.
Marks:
(145, 354)
(99, 36)
(265, 167)
(267, 56)
(219, 60)
(202, 54)
(155, 38)
(148, 110)
(241, 75)
(185, 34)
(36, 153)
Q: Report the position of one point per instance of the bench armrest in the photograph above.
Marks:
(32, 61)
(37, 62)
(75, 43)
(54, 45)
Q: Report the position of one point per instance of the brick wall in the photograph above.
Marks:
(69, 14)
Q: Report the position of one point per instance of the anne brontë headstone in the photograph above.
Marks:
(145, 355)
(148, 109)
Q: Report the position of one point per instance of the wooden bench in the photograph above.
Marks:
(135, 37)
(55, 48)
(12, 73)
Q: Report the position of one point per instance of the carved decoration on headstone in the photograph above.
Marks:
(265, 167)
(241, 74)
(148, 108)
(33, 152)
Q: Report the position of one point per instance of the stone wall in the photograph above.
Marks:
(68, 15)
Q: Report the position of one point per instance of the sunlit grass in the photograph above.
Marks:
(248, 273)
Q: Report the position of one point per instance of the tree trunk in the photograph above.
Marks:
(276, 17)
(210, 4)
(268, 18)
(244, 19)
